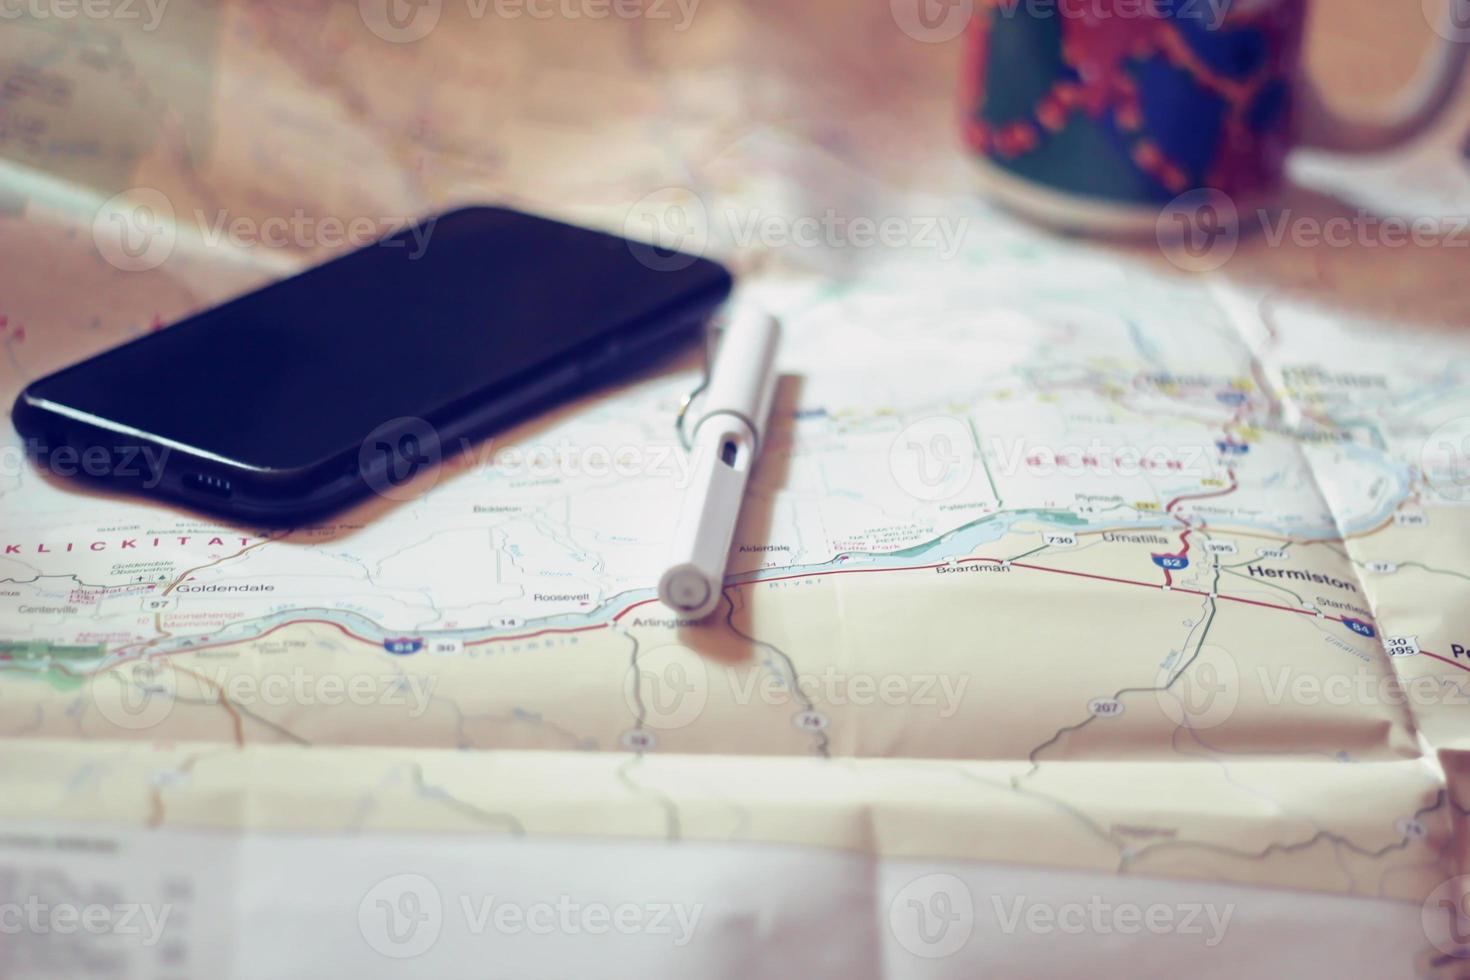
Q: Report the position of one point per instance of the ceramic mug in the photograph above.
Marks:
(1093, 115)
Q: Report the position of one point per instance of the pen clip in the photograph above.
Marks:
(711, 338)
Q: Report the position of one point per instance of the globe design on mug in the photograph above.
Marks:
(1134, 101)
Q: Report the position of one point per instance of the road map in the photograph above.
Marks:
(1064, 573)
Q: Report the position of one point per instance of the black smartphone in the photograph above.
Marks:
(292, 401)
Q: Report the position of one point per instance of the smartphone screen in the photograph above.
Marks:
(453, 309)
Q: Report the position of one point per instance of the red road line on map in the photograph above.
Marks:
(640, 602)
(785, 578)
(189, 573)
(1100, 578)
(1151, 585)
(841, 571)
(1183, 552)
(543, 632)
(780, 578)
(524, 636)
(1188, 528)
(1272, 605)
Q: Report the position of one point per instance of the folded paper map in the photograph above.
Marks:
(1082, 597)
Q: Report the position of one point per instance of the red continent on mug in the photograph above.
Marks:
(1094, 114)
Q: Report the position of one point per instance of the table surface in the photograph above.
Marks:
(241, 118)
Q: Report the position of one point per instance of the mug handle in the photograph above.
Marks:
(1431, 93)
